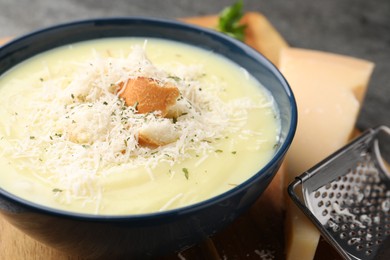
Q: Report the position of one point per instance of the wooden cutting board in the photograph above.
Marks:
(257, 234)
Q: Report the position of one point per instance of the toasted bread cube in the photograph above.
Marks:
(148, 95)
(157, 134)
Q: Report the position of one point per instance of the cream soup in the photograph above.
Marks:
(69, 140)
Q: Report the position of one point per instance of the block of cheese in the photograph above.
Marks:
(329, 90)
(260, 34)
(301, 235)
(4, 40)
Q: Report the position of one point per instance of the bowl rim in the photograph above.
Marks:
(280, 152)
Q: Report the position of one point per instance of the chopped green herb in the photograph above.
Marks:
(186, 174)
(105, 103)
(57, 190)
(234, 152)
(229, 21)
(32, 137)
(134, 106)
(218, 151)
(175, 78)
(72, 96)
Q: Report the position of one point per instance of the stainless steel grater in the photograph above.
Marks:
(347, 196)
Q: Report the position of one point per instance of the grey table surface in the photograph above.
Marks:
(357, 28)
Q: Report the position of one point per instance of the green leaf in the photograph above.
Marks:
(229, 21)
(186, 174)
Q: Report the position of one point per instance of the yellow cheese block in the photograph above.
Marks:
(323, 69)
(301, 235)
(260, 34)
(4, 40)
(329, 90)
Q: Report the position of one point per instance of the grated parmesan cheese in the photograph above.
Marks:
(265, 254)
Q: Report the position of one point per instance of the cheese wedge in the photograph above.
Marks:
(260, 34)
(329, 90)
(4, 40)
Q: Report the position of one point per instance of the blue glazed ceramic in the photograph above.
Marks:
(155, 234)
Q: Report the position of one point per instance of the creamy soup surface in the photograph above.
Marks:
(70, 141)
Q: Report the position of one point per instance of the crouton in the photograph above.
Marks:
(148, 95)
(157, 134)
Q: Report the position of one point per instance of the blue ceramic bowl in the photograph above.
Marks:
(158, 233)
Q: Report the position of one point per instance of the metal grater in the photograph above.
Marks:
(347, 196)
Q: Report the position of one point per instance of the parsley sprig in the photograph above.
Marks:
(229, 21)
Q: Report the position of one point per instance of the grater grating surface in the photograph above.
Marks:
(347, 196)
